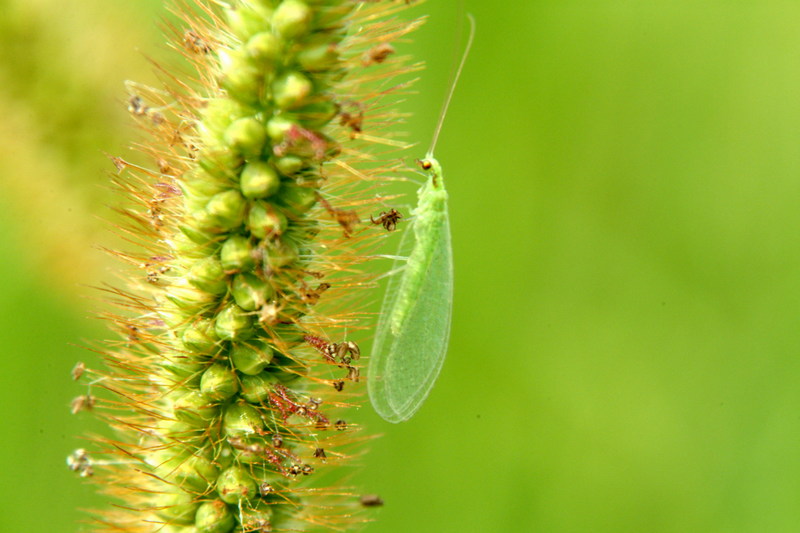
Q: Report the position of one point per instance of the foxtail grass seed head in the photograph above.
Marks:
(231, 385)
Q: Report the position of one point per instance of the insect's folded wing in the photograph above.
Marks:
(405, 366)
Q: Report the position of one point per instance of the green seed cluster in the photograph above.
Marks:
(225, 390)
(236, 430)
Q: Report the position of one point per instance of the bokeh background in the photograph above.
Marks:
(625, 192)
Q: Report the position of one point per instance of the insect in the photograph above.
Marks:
(387, 219)
(414, 326)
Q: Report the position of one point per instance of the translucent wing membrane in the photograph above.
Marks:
(404, 367)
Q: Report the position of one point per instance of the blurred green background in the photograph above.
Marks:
(624, 181)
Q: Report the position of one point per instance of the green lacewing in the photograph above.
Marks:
(414, 326)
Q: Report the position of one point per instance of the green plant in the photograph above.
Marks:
(230, 387)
